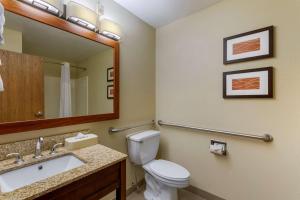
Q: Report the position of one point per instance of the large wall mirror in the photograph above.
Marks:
(54, 73)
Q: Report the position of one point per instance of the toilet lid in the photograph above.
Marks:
(169, 170)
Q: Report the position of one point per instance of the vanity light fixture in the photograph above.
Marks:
(52, 6)
(81, 15)
(110, 29)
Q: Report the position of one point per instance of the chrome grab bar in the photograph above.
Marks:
(112, 130)
(265, 137)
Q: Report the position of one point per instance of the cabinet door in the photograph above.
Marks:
(23, 79)
(92, 187)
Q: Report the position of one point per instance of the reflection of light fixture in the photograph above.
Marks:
(110, 29)
(81, 15)
(1, 81)
(2, 23)
(100, 9)
(100, 12)
(1, 85)
(51, 6)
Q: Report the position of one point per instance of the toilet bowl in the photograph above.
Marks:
(162, 177)
(165, 177)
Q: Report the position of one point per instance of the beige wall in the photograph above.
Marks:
(97, 66)
(189, 91)
(137, 72)
(12, 40)
(51, 90)
(88, 88)
(52, 78)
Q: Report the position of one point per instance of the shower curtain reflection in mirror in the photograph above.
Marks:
(65, 91)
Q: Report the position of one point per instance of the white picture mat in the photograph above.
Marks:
(264, 86)
(109, 89)
(264, 46)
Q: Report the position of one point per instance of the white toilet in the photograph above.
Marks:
(163, 178)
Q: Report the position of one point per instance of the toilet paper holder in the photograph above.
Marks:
(218, 148)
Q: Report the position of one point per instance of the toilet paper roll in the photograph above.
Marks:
(218, 149)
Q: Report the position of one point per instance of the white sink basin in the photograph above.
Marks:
(18, 178)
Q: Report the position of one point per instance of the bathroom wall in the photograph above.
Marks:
(88, 88)
(82, 95)
(97, 66)
(13, 40)
(51, 90)
(52, 78)
(137, 88)
(189, 91)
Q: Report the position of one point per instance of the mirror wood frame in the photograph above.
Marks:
(35, 14)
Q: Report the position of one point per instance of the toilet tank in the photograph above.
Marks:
(143, 146)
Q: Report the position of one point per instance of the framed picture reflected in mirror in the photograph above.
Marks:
(110, 92)
(110, 74)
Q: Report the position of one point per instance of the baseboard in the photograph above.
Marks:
(203, 194)
(192, 189)
(133, 188)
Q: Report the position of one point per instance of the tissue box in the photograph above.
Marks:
(81, 141)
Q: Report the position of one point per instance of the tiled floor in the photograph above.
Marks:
(183, 195)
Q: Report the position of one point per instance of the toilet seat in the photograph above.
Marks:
(168, 173)
(169, 170)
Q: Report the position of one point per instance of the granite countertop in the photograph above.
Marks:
(96, 158)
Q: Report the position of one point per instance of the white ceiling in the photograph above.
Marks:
(158, 13)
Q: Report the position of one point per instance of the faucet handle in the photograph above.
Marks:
(41, 139)
(18, 156)
(53, 149)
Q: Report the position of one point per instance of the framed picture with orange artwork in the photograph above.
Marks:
(253, 45)
(251, 83)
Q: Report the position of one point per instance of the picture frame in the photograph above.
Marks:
(110, 92)
(253, 45)
(110, 74)
(251, 83)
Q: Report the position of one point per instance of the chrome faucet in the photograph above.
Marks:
(39, 148)
(53, 149)
(18, 156)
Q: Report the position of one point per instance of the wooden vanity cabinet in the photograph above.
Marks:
(94, 186)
